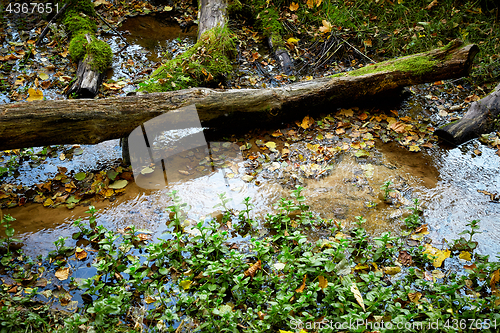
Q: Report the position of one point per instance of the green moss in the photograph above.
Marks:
(76, 24)
(81, 6)
(78, 47)
(205, 62)
(101, 53)
(416, 65)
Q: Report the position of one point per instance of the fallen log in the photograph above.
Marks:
(86, 121)
(482, 117)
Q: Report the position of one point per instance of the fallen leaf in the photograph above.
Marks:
(357, 296)
(303, 286)
(323, 282)
(185, 284)
(392, 270)
(62, 273)
(465, 255)
(271, 145)
(43, 76)
(495, 278)
(35, 95)
(414, 297)
(279, 266)
(80, 254)
(118, 184)
(306, 122)
(294, 6)
(80, 176)
(438, 255)
(432, 4)
(326, 27)
(253, 269)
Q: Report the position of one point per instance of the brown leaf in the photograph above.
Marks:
(414, 297)
(62, 273)
(80, 254)
(405, 258)
(495, 278)
(326, 27)
(303, 286)
(323, 282)
(254, 268)
(432, 4)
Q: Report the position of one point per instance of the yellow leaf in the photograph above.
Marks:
(414, 148)
(464, 255)
(149, 300)
(346, 112)
(35, 95)
(323, 282)
(271, 145)
(292, 40)
(312, 147)
(306, 122)
(48, 202)
(310, 3)
(294, 6)
(392, 270)
(357, 296)
(43, 76)
(62, 273)
(432, 4)
(318, 2)
(326, 27)
(186, 284)
(438, 255)
(368, 43)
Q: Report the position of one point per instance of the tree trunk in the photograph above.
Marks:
(88, 80)
(212, 14)
(85, 121)
(483, 116)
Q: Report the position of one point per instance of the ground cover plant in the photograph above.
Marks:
(222, 275)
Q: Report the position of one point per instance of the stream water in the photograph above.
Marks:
(445, 180)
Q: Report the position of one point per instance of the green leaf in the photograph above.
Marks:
(80, 176)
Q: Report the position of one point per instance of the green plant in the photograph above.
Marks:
(386, 189)
(9, 236)
(413, 220)
(463, 244)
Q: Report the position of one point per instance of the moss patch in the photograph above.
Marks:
(415, 65)
(101, 55)
(204, 63)
(78, 47)
(76, 24)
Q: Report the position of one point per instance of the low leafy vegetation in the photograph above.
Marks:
(220, 275)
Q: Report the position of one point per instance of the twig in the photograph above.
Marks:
(116, 32)
(364, 55)
(46, 29)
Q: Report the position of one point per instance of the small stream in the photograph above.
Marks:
(445, 180)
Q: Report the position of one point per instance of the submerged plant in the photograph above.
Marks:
(386, 189)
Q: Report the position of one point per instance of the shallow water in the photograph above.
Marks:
(444, 180)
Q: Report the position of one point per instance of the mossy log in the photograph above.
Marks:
(88, 78)
(87, 121)
(482, 117)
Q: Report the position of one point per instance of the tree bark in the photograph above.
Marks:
(481, 118)
(212, 14)
(85, 121)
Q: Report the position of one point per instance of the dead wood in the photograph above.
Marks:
(86, 121)
(47, 27)
(88, 79)
(482, 117)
